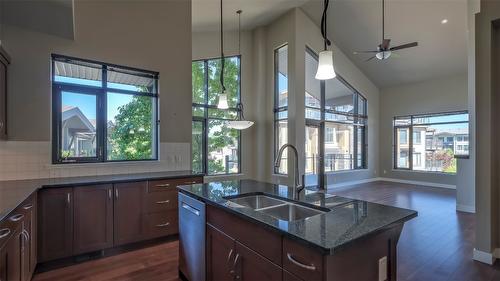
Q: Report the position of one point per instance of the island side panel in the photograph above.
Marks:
(346, 263)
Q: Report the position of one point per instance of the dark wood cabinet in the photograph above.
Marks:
(128, 212)
(4, 61)
(220, 255)
(13, 252)
(93, 218)
(249, 265)
(55, 227)
(29, 238)
(3, 264)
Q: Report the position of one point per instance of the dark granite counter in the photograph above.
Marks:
(346, 221)
(13, 193)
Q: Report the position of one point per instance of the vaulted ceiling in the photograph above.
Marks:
(357, 25)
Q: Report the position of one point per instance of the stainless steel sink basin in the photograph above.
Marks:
(257, 201)
(291, 212)
(280, 209)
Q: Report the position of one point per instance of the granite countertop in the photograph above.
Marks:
(346, 221)
(13, 193)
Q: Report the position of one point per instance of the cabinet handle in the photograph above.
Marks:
(109, 194)
(305, 266)
(68, 198)
(163, 202)
(190, 182)
(163, 185)
(4, 233)
(27, 235)
(190, 209)
(163, 224)
(116, 193)
(17, 217)
(1, 125)
(237, 276)
(228, 260)
(27, 207)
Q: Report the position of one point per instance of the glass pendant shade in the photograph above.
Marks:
(240, 124)
(383, 55)
(325, 66)
(222, 101)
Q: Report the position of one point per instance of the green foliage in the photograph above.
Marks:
(219, 135)
(130, 137)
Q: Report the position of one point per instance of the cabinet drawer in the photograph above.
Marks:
(268, 243)
(171, 184)
(161, 201)
(161, 224)
(302, 261)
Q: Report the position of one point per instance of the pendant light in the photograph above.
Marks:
(222, 104)
(325, 63)
(241, 123)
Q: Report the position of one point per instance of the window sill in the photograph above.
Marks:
(346, 171)
(103, 164)
(214, 177)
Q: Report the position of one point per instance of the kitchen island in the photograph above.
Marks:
(255, 231)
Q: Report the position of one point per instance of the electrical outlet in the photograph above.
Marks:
(382, 269)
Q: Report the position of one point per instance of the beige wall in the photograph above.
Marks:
(434, 96)
(153, 35)
(487, 195)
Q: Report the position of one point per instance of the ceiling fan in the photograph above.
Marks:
(384, 50)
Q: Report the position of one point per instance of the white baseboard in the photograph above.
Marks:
(348, 183)
(466, 208)
(484, 257)
(424, 183)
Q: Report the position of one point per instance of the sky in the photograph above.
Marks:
(87, 103)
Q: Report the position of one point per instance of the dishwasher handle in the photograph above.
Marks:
(190, 209)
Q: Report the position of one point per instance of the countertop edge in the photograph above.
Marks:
(323, 250)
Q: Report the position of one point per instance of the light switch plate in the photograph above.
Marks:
(382, 269)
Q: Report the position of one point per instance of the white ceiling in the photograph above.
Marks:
(356, 25)
(206, 13)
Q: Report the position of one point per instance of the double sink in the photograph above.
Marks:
(277, 208)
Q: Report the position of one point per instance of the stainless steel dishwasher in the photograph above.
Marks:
(191, 238)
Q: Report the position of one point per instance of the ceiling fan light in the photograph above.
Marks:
(383, 55)
(325, 66)
(222, 104)
(239, 124)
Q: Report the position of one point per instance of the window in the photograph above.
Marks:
(103, 112)
(281, 106)
(215, 147)
(446, 135)
(340, 112)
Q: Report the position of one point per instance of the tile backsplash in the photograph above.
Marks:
(31, 160)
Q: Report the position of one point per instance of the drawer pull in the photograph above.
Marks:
(163, 202)
(4, 232)
(190, 209)
(17, 217)
(305, 266)
(27, 207)
(163, 224)
(163, 185)
(190, 182)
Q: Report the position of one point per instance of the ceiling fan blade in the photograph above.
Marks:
(364, 52)
(370, 59)
(405, 46)
(385, 44)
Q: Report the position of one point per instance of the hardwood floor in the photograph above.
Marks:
(435, 246)
(438, 244)
(149, 264)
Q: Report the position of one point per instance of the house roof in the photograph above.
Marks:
(69, 112)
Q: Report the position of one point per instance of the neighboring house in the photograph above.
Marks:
(78, 133)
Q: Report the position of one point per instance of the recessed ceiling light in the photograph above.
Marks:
(444, 21)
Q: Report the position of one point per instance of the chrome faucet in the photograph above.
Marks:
(298, 187)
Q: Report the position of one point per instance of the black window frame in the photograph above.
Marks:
(100, 92)
(206, 118)
(409, 128)
(356, 164)
(277, 109)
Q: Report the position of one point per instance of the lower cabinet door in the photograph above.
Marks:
(14, 251)
(220, 256)
(251, 266)
(128, 212)
(3, 264)
(93, 218)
